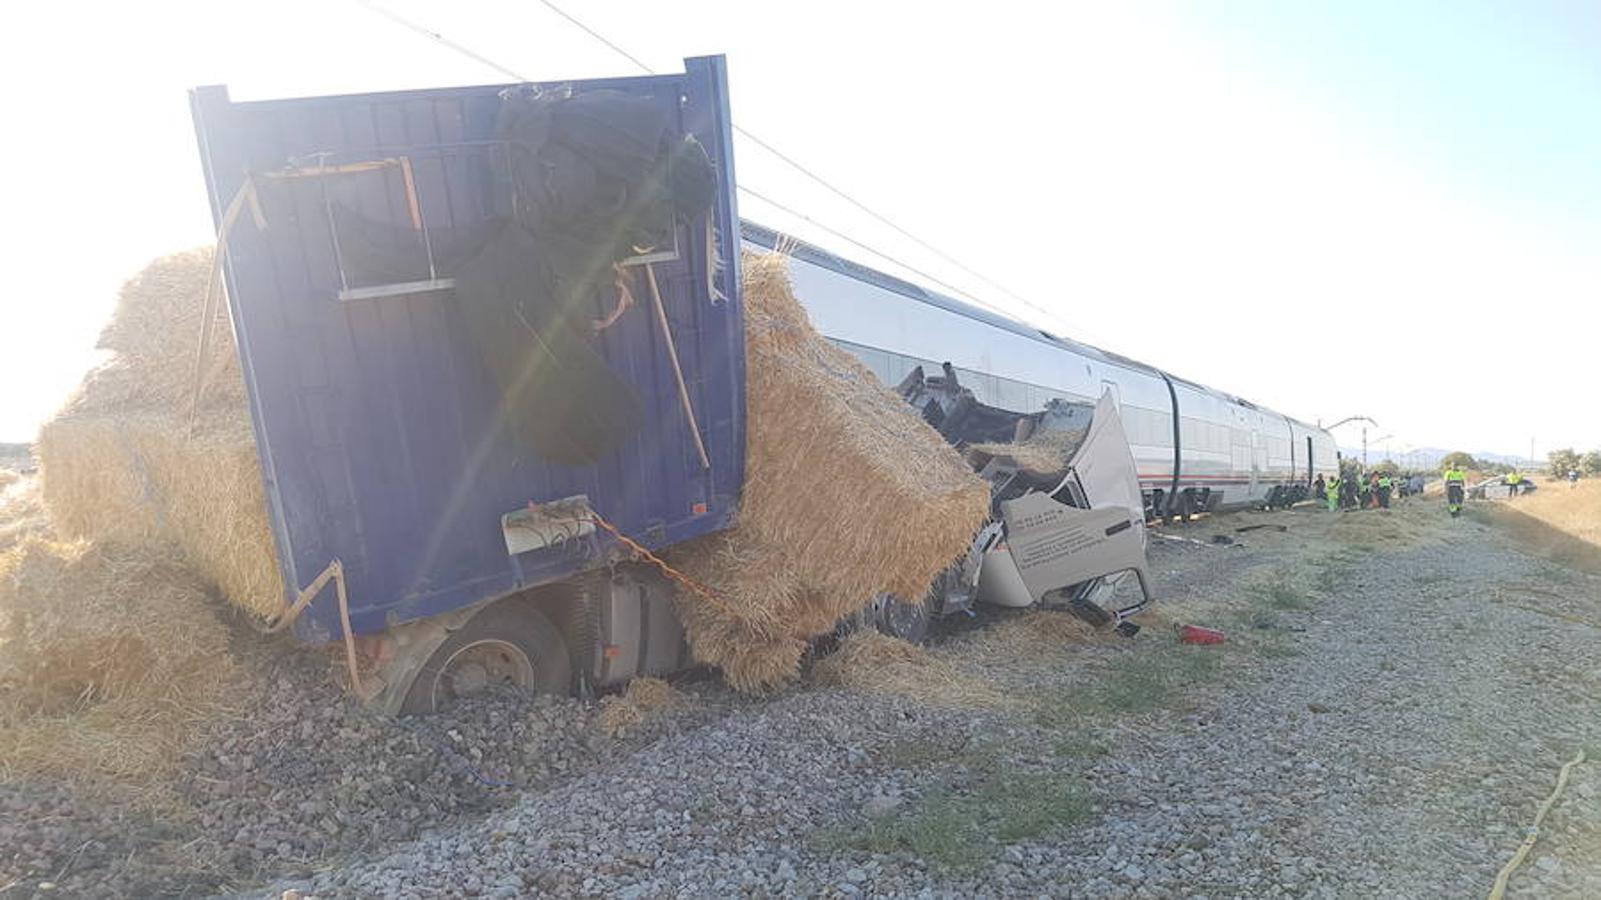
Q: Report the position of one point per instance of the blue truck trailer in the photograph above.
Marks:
(475, 323)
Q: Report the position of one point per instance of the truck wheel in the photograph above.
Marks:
(899, 618)
(509, 643)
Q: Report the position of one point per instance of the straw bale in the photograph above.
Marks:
(121, 464)
(111, 659)
(22, 514)
(848, 494)
(138, 479)
(155, 330)
(873, 662)
(643, 698)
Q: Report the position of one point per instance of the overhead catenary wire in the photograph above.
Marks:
(770, 148)
(409, 25)
(820, 180)
(831, 188)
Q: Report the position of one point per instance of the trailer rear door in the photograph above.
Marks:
(383, 438)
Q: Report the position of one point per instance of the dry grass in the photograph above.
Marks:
(642, 699)
(8, 478)
(848, 494)
(873, 662)
(1407, 525)
(111, 663)
(1035, 632)
(1557, 521)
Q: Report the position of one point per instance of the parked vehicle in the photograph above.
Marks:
(1499, 488)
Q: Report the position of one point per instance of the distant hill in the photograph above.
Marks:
(1429, 457)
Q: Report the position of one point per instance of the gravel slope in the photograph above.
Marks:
(1395, 698)
(1388, 736)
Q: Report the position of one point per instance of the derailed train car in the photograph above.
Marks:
(1196, 448)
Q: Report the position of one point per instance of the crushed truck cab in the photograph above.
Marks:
(1068, 523)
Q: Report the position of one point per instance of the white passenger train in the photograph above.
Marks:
(1196, 448)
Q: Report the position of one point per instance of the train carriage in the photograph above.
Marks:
(1196, 448)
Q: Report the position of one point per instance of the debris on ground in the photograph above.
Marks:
(869, 661)
(622, 713)
(848, 495)
(1199, 634)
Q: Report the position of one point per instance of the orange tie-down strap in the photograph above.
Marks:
(640, 552)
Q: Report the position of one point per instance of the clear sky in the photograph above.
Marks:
(1391, 209)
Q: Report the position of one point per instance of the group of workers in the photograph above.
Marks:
(1372, 492)
(1375, 490)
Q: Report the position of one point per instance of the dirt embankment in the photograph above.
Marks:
(1561, 522)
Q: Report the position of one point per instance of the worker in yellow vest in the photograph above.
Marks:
(1385, 486)
(1514, 483)
(1332, 493)
(1455, 485)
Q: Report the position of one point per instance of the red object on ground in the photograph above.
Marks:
(1196, 634)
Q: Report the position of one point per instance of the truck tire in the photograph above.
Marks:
(510, 642)
(909, 621)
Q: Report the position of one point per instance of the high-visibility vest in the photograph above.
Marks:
(1514, 478)
(1384, 481)
(1455, 475)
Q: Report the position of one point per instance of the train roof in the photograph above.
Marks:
(770, 238)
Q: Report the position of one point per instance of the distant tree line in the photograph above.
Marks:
(1466, 461)
(1569, 460)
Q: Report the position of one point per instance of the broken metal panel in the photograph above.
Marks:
(1064, 487)
(1105, 465)
(1055, 545)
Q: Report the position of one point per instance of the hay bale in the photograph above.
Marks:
(137, 479)
(22, 514)
(111, 660)
(876, 663)
(642, 699)
(848, 494)
(155, 329)
(120, 464)
(1042, 453)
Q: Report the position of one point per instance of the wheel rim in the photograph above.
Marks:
(479, 666)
